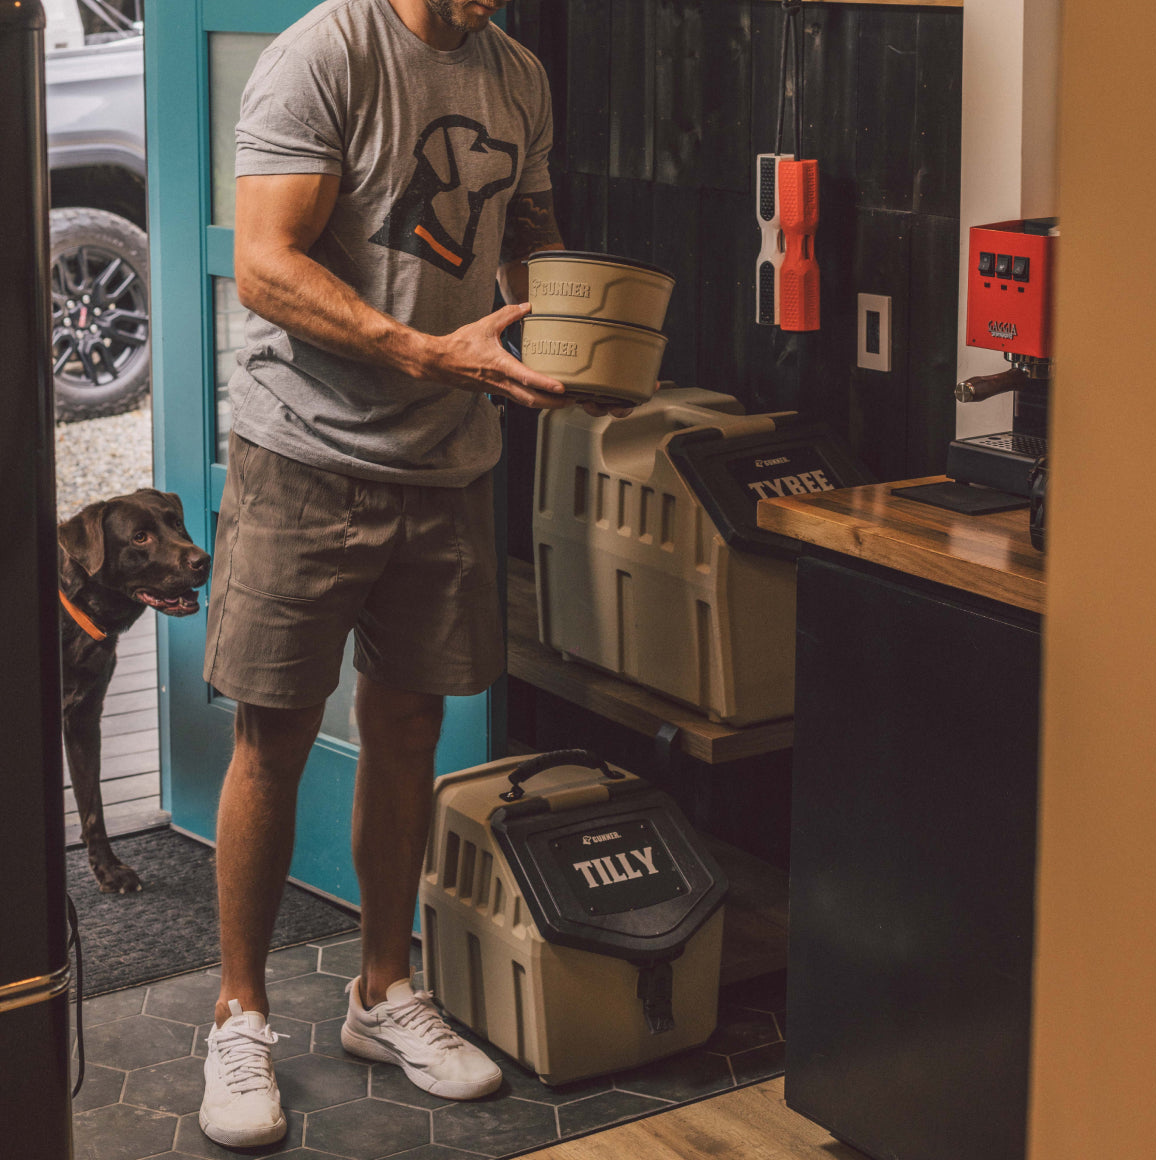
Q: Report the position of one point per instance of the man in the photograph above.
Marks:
(392, 156)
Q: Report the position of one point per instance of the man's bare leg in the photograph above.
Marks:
(398, 733)
(255, 836)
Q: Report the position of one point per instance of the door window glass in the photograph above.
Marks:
(229, 324)
(232, 56)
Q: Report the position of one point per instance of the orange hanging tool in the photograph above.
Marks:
(800, 297)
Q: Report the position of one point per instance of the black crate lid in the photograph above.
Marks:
(730, 473)
(628, 877)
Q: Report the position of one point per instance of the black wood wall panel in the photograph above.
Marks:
(660, 108)
(832, 106)
(878, 400)
(938, 114)
(589, 57)
(724, 320)
(726, 66)
(677, 217)
(887, 68)
(632, 91)
(679, 119)
(931, 331)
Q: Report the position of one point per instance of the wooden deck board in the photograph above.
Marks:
(122, 765)
(129, 722)
(125, 701)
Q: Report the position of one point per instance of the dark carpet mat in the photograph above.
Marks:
(171, 926)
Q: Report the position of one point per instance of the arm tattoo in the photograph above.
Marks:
(531, 226)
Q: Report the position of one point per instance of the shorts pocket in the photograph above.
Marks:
(292, 528)
(473, 517)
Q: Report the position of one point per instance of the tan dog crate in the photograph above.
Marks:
(576, 926)
(649, 561)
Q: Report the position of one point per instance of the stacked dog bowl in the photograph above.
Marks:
(596, 324)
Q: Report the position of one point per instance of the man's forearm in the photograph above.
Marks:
(531, 227)
(291, 290)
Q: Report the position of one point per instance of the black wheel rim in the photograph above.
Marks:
(100, 317)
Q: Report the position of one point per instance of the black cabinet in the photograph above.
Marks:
(912, 864)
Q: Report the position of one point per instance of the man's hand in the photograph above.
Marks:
(473, 359)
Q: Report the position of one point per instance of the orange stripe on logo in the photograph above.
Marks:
(442, 251)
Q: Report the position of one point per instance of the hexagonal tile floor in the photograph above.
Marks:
(143, 1079)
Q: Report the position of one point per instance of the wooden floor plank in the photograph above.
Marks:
(139, 787)
(145, 661)
(117, 704)
(131, 740)
(129, 722)
(750, 1124)
(137, 641)
(125, 765)
(133, 681)
(120, 818)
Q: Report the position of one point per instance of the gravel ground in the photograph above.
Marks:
(98, 458)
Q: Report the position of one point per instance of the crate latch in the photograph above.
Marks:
(654, 987)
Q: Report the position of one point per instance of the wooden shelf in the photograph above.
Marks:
(620, 701)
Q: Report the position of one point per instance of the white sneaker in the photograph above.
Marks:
(408, 1031)
(241, 1107)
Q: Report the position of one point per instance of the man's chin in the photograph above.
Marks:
(470, 17)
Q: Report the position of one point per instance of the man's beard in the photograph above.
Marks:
(455, 17)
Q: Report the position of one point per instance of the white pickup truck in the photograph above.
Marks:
(95, 93)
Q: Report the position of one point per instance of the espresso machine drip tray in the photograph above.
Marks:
(1002, 461)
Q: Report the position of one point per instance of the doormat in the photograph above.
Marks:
(171, 926)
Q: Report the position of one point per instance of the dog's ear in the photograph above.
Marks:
(437, 153)
(82, 538)
(170, 497)
(175, 499)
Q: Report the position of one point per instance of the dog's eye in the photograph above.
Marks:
(140, 537)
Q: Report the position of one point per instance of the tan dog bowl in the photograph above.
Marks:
(568, 283)
(606, 362)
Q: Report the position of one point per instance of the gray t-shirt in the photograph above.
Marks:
(430, 146)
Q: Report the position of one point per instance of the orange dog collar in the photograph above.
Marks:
(84, 621)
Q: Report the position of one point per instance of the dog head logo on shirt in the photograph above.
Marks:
(458, 169)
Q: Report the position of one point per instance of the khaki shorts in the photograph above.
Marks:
(304, 555)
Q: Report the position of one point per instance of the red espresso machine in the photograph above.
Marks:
(1009, 309)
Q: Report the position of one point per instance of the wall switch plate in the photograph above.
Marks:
(874, 332)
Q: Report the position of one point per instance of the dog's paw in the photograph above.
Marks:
(117, 878)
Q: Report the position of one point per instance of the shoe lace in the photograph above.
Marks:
(419, 1015)
(245, 1056)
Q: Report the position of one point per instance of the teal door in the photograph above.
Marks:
(198, 56)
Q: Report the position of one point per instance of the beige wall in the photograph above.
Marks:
(1010, 98)
(1093, 1071)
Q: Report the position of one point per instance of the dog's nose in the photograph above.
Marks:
(198, 563)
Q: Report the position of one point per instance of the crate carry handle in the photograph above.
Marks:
(543, 761)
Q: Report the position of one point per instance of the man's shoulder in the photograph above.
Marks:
(509, 51)
(331, 22)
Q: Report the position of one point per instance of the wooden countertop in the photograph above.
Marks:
(989, 555)
(621, 701)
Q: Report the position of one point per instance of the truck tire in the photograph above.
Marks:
(100, 313)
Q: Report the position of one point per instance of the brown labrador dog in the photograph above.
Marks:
(116, 558)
